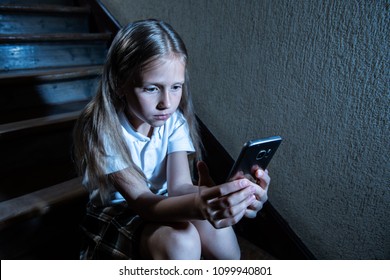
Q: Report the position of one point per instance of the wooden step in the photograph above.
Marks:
(42, 111)
(33, 94)
(39, 202)
(18, 128)
(36, 153)
(43, 19)
(29, 76)
(8, 39)
(43, 9)
(31, 224)
(56, 50)
(38, 2)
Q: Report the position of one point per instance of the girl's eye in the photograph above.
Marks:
(177, 87)
(151, 89)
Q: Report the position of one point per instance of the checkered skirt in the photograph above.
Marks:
(111, 233)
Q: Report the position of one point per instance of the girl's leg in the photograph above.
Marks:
(218, 243)
(175, 241)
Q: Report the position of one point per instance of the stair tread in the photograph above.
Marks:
(47, 8)
(14, 38)
(42, 111)
(41, 201)
(9, 128)
(49, 73)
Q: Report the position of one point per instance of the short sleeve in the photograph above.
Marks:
(179, 139)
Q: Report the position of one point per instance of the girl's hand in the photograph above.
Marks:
(262, 180)
(224, 205)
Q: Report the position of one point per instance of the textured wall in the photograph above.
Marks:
(315, 72)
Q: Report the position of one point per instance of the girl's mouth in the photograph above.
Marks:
(162, 117)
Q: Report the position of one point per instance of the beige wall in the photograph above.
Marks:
(315, 72)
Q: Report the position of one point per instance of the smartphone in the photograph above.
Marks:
(255, 152)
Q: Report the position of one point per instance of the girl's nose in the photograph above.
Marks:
(165, 101)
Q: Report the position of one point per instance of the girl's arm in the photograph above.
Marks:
(178, 175)
(222, 205)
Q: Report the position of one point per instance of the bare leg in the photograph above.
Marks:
(217, 243)
(175, 241)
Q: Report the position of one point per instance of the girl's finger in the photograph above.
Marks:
(263, 178)
(225, 189)
(238, 175)
(232, 199)
(227, 222)
(250, 213)
(233, 211)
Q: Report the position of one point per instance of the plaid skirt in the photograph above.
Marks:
(111, 233)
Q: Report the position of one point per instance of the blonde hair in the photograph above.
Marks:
(133, 48)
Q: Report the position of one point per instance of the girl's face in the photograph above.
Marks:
(158, 96)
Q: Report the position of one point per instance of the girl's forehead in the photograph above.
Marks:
(157, 62)
(171, 68)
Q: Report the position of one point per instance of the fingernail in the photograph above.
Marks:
(243, 183)
(260, 173)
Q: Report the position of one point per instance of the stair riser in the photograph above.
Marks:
(40, 55)
(42, 24)
(36, 159)
(16, 98)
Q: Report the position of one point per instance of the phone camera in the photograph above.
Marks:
(263, 154)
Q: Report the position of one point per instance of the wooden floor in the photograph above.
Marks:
(250, 251)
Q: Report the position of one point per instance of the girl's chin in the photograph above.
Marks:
(157, 123)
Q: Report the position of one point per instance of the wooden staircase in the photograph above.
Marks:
(51, 54)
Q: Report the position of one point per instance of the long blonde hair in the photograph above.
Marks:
(133, 48)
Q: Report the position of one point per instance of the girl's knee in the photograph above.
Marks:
(218, 243)
(174, 241)
(183, 242)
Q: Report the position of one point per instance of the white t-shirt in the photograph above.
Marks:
(150, 154)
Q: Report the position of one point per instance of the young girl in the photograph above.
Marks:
(131, 146)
